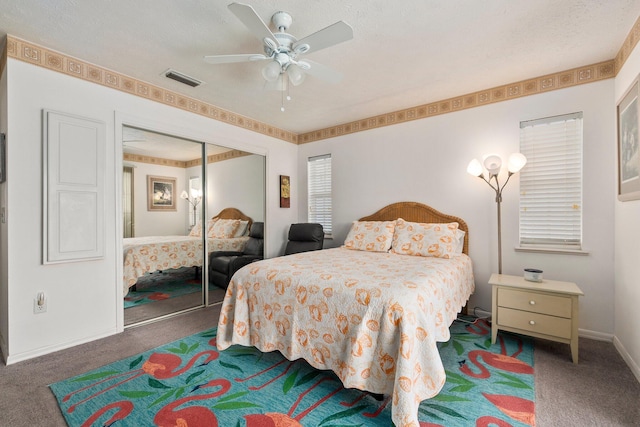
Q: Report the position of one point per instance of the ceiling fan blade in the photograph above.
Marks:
(228, 59)
(253, 22)
(320, 71)
(329, 36)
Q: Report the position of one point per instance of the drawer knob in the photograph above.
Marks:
(532, 302)
(532, 322)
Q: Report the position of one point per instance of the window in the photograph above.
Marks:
(319, 183)
(551, 183)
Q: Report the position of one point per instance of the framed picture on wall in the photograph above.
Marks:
(161, 193)
(628, 140)
(285, 191)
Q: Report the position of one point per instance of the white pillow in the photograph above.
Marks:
(372, 236)
(243, 229)
(460, 246)
(423, 239)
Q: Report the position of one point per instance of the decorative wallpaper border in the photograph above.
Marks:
(29, 52)
(627, 46)
(55, 61)
(127, 157)
(561, 80)
(231, 154)
(221, 157)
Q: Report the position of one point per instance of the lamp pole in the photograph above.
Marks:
(499, 204)
(493, 165)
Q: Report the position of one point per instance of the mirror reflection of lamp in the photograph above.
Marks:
(492, 164)
(194, 200)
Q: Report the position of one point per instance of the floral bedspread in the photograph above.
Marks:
(147, 254)
(372, 318)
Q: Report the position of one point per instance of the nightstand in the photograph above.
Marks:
(547, 309)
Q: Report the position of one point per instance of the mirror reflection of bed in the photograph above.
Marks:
(163, 230)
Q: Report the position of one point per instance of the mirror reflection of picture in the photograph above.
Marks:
(161, 193)
(285, 191)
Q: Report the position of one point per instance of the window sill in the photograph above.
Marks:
(549, 250)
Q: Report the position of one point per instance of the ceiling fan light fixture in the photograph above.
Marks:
(296, 75)
(271, 71)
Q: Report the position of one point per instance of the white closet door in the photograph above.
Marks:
(74, 173)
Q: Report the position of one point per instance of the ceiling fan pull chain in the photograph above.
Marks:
(284, 82)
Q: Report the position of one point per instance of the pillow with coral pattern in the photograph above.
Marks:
(372, 236)
(438, 240)
(223, 229)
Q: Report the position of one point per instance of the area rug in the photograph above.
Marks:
(159, 286)
(189, 383)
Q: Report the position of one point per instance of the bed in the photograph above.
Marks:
(372, 317)
(144, 255)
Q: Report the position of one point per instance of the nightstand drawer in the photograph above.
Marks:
(554, 305)
(534, 322)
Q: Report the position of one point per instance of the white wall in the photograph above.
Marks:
(159, 223)
(426, 161)
(84, 298)
(237, 183)
(627, 249)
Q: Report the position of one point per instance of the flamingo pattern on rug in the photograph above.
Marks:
(190, 383)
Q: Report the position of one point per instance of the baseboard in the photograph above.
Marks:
(594, 335)
(627, 358)
(20, 357)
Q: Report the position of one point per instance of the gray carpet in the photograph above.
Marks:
(599, 391)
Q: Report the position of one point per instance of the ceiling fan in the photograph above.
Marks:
(282, 50)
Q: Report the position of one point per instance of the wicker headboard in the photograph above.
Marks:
(417, 212)
(233, 213)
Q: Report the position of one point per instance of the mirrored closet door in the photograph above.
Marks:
(171, 208)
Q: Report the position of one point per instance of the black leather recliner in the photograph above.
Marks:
(224, 264)
(304, 237)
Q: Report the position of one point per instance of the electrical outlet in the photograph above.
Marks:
(39, 304)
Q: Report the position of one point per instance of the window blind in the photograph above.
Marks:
(551, 182)
(319, 191)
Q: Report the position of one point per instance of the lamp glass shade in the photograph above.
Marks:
(474, 168)
(271, 71)
(184, 195)
(516, 162)
(493, 164)
(296, 76)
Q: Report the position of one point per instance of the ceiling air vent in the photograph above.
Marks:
(182, 78)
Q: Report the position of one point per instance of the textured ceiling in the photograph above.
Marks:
(403, 54)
